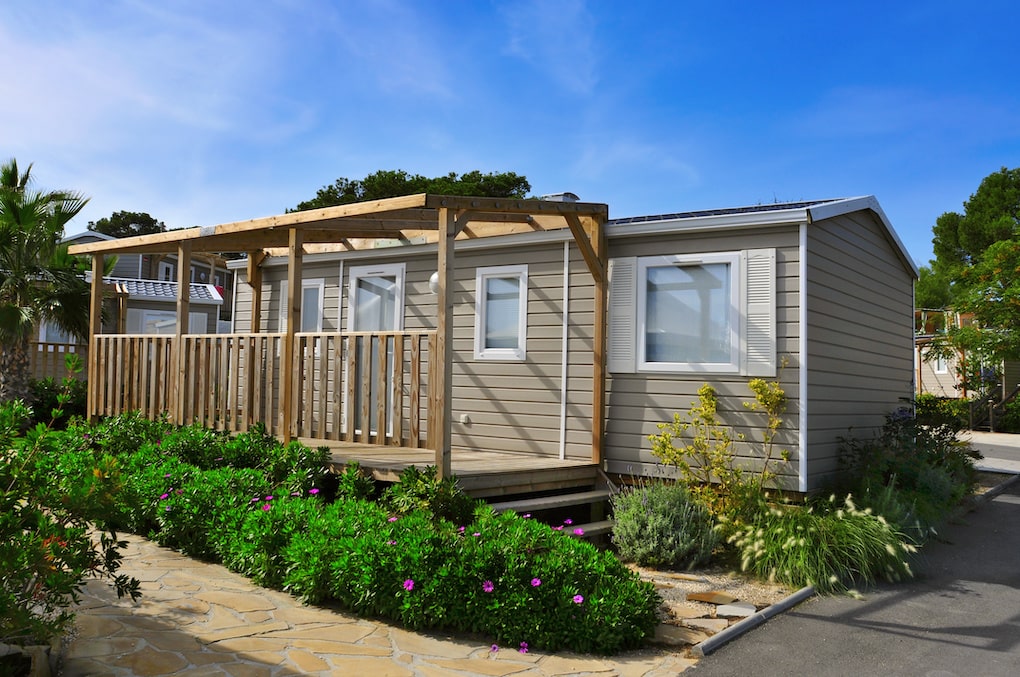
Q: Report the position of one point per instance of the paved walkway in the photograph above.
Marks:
(1001, 451)
(198, 619)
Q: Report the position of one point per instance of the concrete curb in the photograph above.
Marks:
(706, 647)
(996, 490)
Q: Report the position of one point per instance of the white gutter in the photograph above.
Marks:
(564, 351)
(802, 370)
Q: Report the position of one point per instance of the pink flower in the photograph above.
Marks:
(535, 582)
(524, 647)
(409, 584)
(392, 519)
(269, 498)
(568, 521)
(477, 533)
(164, 497)
(578, 599)
(559, 528)
(579, 532)
(494, 648)
(526, 515)
(391, 542)
(313, 491)
(487, 586)
(267, 507)
(461, 529)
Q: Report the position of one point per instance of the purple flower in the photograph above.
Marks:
(461, 529)
(409, 584)
(254, 500)
(559, 528)
(494, 648)
(392, 519)
(295, 493)
(313, 491)
(568, 521)
(526, 515)
(535, 582)
(524, 647)
(269, 498)
(578, 599)
(164, 497)
(167, 475)
(476, 534)
(266, 507)
(391, 542)
(487, 586)
(579, 532)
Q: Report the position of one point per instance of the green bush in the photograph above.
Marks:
(194, 444)
(46, 399)
(124, 434)
(195, 507)
(661, 524)
(47, 549)
(511, 578)
(252, 545)
(932, 410)
(828, 545)
(422, 490)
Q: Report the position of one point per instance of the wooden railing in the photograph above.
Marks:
(46, 360)
(343, 384)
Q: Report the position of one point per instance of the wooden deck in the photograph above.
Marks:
(482, 474)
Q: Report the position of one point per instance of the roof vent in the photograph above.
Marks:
(560, 197)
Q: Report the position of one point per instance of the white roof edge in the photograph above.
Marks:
(669, 224)
(854, 204)
(88, 233)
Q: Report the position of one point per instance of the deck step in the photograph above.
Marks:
(553, 502)
(595, 528)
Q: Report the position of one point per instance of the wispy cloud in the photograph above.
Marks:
(557, 38)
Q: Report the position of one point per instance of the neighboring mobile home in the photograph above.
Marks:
(522, 343)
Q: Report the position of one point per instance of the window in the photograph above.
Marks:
(941, 366)
(501, 313)
(375, 298)
(704, 313)
(50, 333)
(311, 305)
(166, 272)
(141, 321)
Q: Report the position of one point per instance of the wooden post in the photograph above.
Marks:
(178, 370)
(598, 414)
(95, 327)
(441, 391)
(289, 367)
(248, 410)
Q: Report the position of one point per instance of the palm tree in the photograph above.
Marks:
(38, 279)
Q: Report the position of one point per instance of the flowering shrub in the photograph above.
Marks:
(46, 549)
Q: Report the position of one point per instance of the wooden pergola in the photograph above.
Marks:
(422, 218)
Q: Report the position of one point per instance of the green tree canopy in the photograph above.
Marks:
(39, 281)
(976, 269)
(127, 224)
(395, 183)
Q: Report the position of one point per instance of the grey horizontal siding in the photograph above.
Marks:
(638, 402)
(860, 335)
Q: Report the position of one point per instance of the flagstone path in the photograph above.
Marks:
(198, 619)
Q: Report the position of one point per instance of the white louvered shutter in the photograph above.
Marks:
(760, 312)
(622, 310)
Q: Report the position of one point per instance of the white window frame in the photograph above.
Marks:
(166, 272)
(138, 318)
(312, 283)
(482, 276)
(355, 273)
(731, 259)
(940, 365)
(757, 328)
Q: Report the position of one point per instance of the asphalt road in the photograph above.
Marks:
(961, 616)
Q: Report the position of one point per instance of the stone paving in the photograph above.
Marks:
(196, 618)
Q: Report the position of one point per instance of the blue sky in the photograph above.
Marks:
(203, 112)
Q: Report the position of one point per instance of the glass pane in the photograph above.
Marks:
(502, 312)
(687, 313)
(310, 309)
(376, 298)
